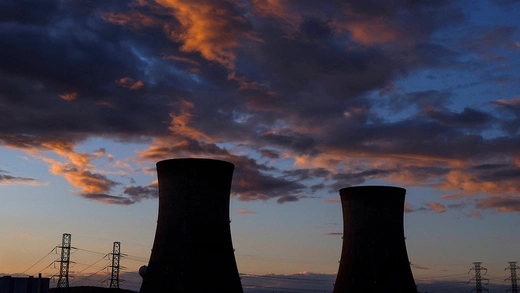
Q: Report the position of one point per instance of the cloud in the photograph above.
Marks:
(244, 212)
(332, 200)
(289, 198)
(138, 193)
(69, 96)
(500, 203)
(334, 234)
(130, 83)
(468, 118)
(473, 213)
(303, 282)
(6, 179)
(437, 207)
(210, 28)
(107, 199)
(418, 267)
(303, 97)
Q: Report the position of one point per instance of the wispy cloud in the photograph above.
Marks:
(244, 212)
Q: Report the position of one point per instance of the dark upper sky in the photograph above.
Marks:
(304, 97)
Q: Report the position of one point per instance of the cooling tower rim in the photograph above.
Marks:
(190, 162)
(372, 190)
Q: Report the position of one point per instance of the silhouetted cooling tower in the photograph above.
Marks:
(374, 257)
(192, 250)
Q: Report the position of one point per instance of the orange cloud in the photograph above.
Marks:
(69, 96)
(415, 266)
(179, 123)
(182, 59)
(135, 19)
(370, 31)
(244, 212)
(277, 9)
(437, 207)
(75, 167)
(500, 203)
(332, 200)
(408, 208)
(471, 183)
(473, 213)
(207, 27)
(458, 195)
(130, 83)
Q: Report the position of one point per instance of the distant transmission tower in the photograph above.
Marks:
(478, 277)
(63, 280)
(512, 267)
(116, 257)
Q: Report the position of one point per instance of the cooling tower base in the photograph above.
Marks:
(373, 257)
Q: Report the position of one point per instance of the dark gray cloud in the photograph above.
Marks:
(5, 178)
(468, 118)
(138, 193)
(289, 198)
(108, 199)
(349, 179)
(400, 101)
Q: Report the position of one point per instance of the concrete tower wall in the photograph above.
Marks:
(373, 257)
(192, 250)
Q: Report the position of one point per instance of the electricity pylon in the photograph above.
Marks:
(116, 257)
(512, 267)
(478, 277)
(63, 280)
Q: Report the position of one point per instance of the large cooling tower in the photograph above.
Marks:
(374, 257)
(192, 250)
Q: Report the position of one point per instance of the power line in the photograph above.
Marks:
(104, 257)
(86, 278)
(90, 251)
(23, 273)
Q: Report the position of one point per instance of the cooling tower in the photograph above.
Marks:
(192, 250)
(373, 257)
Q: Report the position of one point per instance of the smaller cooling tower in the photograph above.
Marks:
(192, 250)
(373, 257)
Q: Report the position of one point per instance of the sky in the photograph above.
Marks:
(305, 97)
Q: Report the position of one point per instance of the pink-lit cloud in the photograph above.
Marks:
(437, 207)
(244, 212)
(69, 96)
(332, 200)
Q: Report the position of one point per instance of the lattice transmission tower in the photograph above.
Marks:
(512, 267)
(116, 257)
(478, 277)
(63, 280)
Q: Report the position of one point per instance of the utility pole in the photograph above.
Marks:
(512, 267)
(116, 257)
(478, 277)
(63, 280)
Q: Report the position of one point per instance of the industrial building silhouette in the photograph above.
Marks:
(192, 250)
(373, 257)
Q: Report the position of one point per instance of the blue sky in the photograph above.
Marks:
(304, 98)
